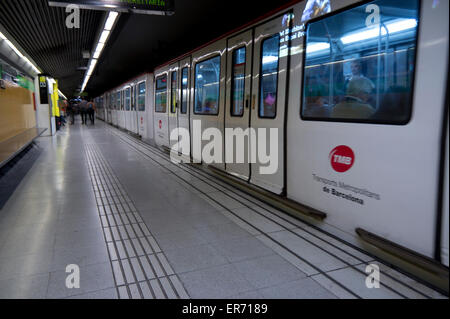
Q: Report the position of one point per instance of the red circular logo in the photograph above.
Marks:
(160, 124)
(142, 120)
(342, 158)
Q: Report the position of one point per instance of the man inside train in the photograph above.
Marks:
(356, 102)
(356, 67)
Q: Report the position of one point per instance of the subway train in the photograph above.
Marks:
(353, 97)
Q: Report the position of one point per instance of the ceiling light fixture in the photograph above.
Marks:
(13, 47)
(107, 28)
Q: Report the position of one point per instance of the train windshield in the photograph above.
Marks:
(161, 94)
(207, 78)
(359, 64)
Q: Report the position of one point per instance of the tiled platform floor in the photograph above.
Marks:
(139, 226)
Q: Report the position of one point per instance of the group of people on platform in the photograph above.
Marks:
(83, 107)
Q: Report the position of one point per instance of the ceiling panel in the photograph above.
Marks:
(138, 44)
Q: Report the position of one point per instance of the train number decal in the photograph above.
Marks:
(342, 158)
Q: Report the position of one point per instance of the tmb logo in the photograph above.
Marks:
(342, 158)
(160, 124)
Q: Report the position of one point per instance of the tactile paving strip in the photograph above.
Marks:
(139, 266)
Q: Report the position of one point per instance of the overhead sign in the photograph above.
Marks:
(160, 7)
(43, 92)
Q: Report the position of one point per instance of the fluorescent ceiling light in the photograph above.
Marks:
(110, 21)
(93, 63)
(104, 36)
(394, 26)
(13, 47)
(98, 50)
(112, 16)
(317, 46)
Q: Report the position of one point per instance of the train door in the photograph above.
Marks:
(270, 68)
(132, 111)
(120, 110)
(124, 125)
(149, 107)
(115, 108)
(140, 103)
(135, 118)
(183, 110)
(237, 110)
(161, 109)
(173, 103)
(128, 109)
(263, 69)
(107, 108)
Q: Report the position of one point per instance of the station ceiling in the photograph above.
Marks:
(138, 44)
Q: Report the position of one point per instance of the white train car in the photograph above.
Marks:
(130, 106)
(353, 97)
(144, 104)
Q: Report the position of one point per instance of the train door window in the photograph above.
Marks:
(127, 99)
(270, 50)
(359, 64)
(173, 93)
(207, 80)
(161, 94)
(238, 82)
(184, 90)
(141, 97)
(119, 107)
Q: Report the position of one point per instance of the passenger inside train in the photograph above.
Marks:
(355, 104)
(359, 72)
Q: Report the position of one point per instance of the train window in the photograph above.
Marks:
(141, 97)
(118, 104)
(184, 90)
(207, 79)
(161, 94)
(238, 82)
(173, 93)
(359, 64)
(268, 84)
(127, 99)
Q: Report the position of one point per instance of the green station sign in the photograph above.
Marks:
(161, 7)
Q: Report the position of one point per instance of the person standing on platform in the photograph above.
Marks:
(83, 110)
(91, 110)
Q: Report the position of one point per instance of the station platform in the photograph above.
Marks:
(139, 226)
